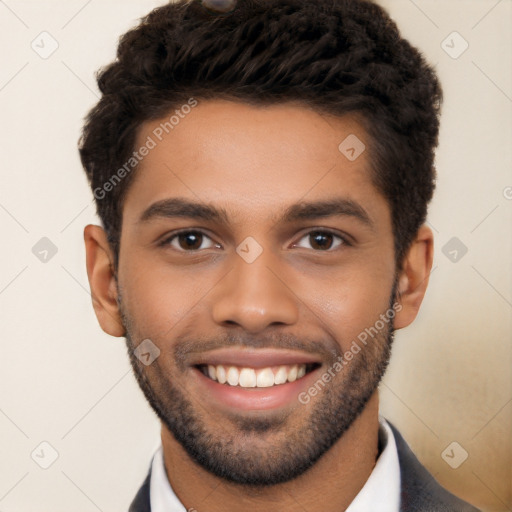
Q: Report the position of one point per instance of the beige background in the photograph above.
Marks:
(64, 381)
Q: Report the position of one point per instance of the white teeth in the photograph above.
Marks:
(250, 377)
(281, 375)
(292, 374)
(221, 374)
(265, 378)
(232, 376)
(247, 378)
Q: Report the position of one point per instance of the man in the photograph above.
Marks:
(262, 171)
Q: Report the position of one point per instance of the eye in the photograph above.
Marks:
(321, 240)
(189, 241)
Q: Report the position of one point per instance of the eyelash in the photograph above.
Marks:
(343, 240)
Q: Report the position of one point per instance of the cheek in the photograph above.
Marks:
(349, 302)
(158, 298)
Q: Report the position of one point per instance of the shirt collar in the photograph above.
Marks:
(380, 493)
(161, 495)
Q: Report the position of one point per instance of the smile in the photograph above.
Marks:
(247, 377)
(253, 379)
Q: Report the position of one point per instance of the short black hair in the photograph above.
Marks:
(336, 56)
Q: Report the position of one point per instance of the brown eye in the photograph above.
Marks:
(321, 240)
(190, 241)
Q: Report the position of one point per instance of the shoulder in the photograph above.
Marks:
(141, 502)
(419, 490)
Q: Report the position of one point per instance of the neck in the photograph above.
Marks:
(328, 486)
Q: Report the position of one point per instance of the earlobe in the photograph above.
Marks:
(413, 279)
(100, 271)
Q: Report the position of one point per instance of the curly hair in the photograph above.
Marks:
(336, 56)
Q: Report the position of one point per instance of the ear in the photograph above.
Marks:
(100, 271)
(413, 279)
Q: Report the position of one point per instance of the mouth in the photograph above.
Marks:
(250, 377)
(255, 379)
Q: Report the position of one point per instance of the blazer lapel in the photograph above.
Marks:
(419, 490)
(141, 502)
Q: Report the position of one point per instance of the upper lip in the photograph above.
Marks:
(254, 358)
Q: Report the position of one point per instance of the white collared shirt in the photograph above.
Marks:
(380, 493)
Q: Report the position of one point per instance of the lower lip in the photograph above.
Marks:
(250, 399)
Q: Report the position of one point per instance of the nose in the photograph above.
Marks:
(254, 296)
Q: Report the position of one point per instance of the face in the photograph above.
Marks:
(253, 250)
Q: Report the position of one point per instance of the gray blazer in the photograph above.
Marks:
(420, 492)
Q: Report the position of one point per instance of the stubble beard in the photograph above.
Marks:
(271, 449)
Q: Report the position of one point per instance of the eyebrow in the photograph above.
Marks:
(178, 207)
(184, 208)
(320, 209)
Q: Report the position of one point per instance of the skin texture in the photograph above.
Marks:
(253, 163)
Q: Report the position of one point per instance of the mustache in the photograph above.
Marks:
(187, 345)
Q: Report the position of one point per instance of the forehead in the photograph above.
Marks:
(251, 160)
